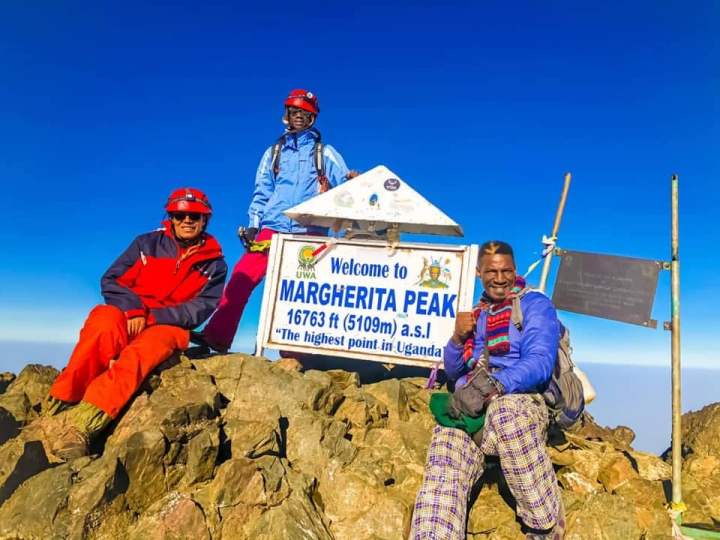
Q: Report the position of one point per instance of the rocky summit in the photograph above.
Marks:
(238, 447)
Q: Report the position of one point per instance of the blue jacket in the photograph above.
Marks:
(528, 365)
(296, 182)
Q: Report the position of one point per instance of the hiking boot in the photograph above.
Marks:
(69, 443)
(61, 440)
(199, 339)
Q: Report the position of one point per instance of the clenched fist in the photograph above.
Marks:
(464, 326)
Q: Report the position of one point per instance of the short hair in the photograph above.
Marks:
(496, 247)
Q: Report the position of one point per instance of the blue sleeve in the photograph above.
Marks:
(453, 361)
(335, 168)
(455, 365)
(118, 295)
(264, 186)
(195, 311)
(538, 347)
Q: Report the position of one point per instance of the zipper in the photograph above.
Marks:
(191, 250)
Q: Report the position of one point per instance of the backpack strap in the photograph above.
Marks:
(517, 315)
(318, 161)
(276, 149)
(324, 183)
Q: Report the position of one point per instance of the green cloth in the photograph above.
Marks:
(438, 407)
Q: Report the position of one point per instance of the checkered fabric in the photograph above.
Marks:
(454, 464)
(515, 430)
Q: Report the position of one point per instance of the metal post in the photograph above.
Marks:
(675, 333)
(555, 229)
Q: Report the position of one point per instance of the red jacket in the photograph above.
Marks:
(158, 279)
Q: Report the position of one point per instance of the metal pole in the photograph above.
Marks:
(675, 333)
(555, 229)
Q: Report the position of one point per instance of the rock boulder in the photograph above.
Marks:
(237, 447)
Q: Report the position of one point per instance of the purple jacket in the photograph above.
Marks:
(528, 365)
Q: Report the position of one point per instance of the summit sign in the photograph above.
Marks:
(363, 299)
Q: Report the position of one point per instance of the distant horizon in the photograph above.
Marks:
(245, 346)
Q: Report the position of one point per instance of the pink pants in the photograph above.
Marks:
(247, 274)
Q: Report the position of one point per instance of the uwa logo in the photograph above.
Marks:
(306, 262)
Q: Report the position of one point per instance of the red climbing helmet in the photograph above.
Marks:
(188, 200)
(303, 99)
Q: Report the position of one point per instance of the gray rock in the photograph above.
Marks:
(19, 461)
(174, 517)
(5, 379)
(237, 447)
(142, 458)
(701, 430)
(36, 508)
(22, 398)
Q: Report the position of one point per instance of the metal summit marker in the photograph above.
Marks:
(376, 200)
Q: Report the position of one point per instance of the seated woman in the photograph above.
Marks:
(166, 283)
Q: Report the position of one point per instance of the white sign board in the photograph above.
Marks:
(360, 299)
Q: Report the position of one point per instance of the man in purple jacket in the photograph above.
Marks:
(509, 364)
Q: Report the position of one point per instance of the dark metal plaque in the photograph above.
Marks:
(617, 288)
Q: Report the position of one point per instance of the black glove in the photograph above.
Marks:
(473, 398)
(247, 236)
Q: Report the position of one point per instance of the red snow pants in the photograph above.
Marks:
(88, 375)
(247, 274)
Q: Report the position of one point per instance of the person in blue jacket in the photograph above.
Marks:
(508, 368)
(295, 169)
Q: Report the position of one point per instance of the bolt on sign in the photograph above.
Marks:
(360, 299)
(607, 286)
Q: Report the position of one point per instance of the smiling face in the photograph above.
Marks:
(187, 225)
(298, 119)
(497, 273)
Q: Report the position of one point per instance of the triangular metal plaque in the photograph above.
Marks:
(375, 200)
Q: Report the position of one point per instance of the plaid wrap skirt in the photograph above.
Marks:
(515, 431)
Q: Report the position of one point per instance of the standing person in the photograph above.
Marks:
(509, 368)
(293, 170)
(166, 283)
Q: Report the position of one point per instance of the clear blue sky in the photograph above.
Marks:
(107, 106)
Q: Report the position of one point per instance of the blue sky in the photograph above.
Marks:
(481, 107)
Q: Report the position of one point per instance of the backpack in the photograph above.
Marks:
(569, 388)
(324, 183)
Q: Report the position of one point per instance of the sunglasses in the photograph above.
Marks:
(292, 111)
(180, 216)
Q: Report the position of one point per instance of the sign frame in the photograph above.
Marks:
(267, 311)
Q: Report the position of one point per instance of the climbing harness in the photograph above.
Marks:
(255, 246)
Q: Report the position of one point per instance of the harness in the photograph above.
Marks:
(323, 182)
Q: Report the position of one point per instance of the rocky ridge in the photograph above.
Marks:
(236, 447)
